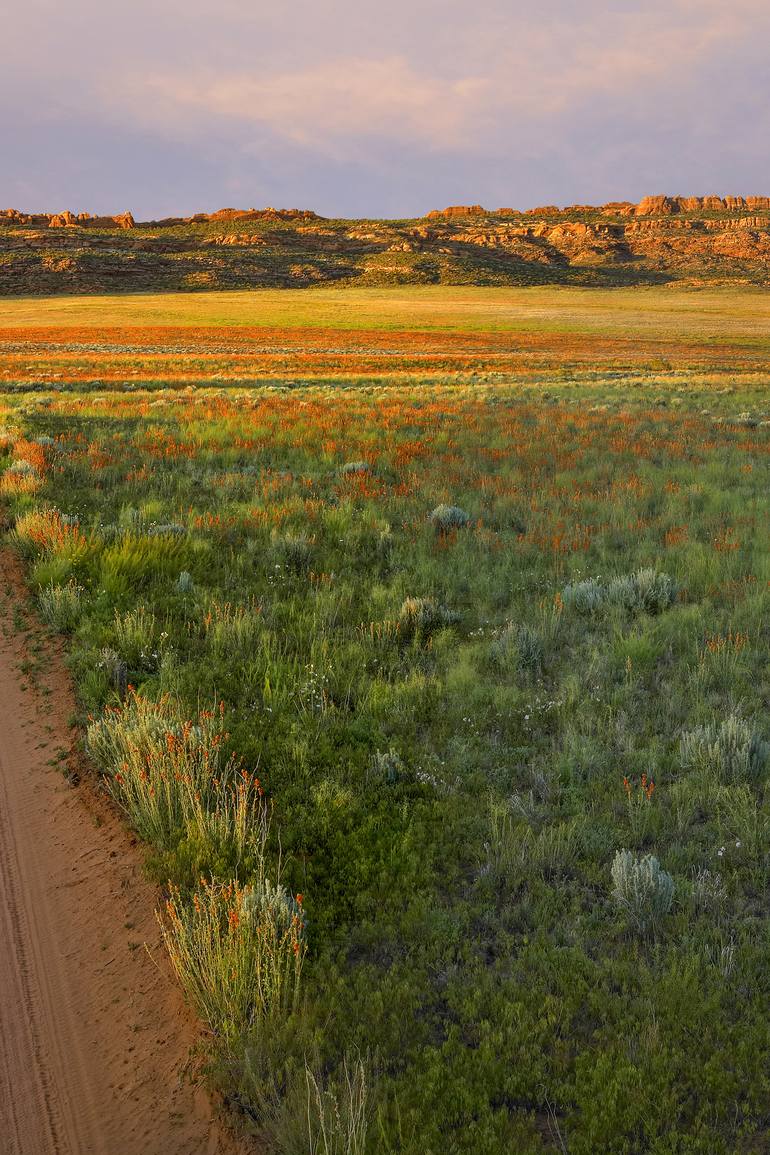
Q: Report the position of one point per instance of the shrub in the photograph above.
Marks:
(184, 583)
(387, 766)
(136, 637)
(293, 551)
(586, 597)
(421, 617)
(731, 751)
(116, 670)
(448, 517)
(641, 888)
(519, 645)
(646, 591)
(60, 605)
(238, 951)
(162, 771)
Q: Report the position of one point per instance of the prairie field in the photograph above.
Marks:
(421, 635)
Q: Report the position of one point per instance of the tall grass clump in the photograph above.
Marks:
(238, 951)
(337, 1112)
(158, 768)
(60, 605)
(513, 847)
(135, 637)
(293, 552)
(231, 629)
(730, 751)
(518, 646)
(421, 617)
(641, 889)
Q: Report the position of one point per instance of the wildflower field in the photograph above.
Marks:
(422, 636)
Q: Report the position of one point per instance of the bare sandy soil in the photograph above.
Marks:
(94, 1034)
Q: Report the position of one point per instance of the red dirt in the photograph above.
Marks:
(94, 1034)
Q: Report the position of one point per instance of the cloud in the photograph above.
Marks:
(377, 110)
(384, 98)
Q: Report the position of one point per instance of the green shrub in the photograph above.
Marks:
(641, 888)
(60, 605)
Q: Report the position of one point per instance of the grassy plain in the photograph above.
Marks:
(458, 722)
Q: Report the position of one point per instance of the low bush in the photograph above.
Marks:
(644, 591)
(641, 889)
(421, 617)
(448, 517)
(60, 605)
(238, 951)
(729, 751)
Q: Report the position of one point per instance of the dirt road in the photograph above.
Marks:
(93, 1032)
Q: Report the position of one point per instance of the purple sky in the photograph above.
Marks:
(354, 108)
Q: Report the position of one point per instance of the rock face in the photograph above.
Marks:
(64, 220)
(456, 211)
(693, 240)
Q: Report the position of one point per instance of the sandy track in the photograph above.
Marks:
(93, 1032)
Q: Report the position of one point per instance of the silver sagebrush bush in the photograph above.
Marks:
(641, 888)
(731, 751)
(448, 517)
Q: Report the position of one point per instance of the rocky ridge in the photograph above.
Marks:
(691, 240)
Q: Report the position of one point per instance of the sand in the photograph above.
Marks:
(94, 1034)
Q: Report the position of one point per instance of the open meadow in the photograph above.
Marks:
(422, 636)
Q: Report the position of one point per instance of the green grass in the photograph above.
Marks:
(456, 723)
(737, 314)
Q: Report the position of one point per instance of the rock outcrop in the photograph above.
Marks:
(694, 240)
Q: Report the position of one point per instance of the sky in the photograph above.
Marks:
(387, 109)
